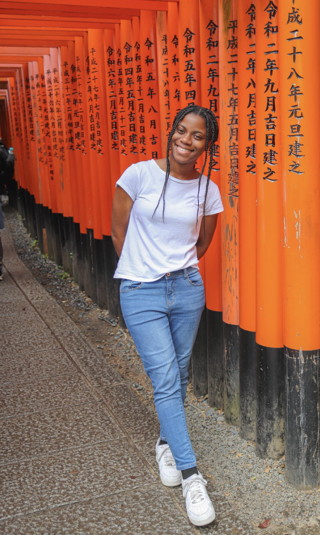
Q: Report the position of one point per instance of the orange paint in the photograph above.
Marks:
(82, 133)
(127, 102)
(228, 57)
(248, 175)
(173, 60)
(269, 184)
(150, 107)
(163, 68)
(299, 108)
(112, 107)
(62, 151)
(96, 98)
(209, 56)
(189, 53)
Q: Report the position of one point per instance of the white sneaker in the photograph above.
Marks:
(199, 507)
(170, 476)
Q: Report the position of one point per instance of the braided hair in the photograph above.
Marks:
(212, 132)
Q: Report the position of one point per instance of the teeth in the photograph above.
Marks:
(183, 150)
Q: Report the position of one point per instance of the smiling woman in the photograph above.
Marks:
(164, 217)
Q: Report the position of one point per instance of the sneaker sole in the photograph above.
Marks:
(203, 522)
(171, 482)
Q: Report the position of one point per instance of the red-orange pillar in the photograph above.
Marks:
(228, 57)
(163, 67)
(270, 376)
(173, 60)
(189, 53)
(138, 79)
(247, 217)
(128, 119)
(150, 107)
(209, 56)
(300, 110)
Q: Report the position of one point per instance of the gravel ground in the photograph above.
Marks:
(254, 488)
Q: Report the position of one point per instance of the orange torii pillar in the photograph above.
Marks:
(209, 54)
(149, 108)
(112, 106)
(228, 54)
(190, 93)
(138, 79)
(127, 99)
(126, 118)
(65, 219)
(22, 132)
(29, 157)
(247, 220)
(29, 182)
(299, 48)
(173, 60)
(44, 192)
(4, 117)
(269, 337)
(53, 162)
(48, 208)
(73, 219)
(101, 190)
(10, 115)
(163, 68)
(114, 156)
(25, 177)
(84, 179)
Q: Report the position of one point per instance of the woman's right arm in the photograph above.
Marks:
(121, 209)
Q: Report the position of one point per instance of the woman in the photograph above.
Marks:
(164, 217)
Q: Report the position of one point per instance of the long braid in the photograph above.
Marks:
(179, 117)
(204, 165)
(215, 131)
(212, 131)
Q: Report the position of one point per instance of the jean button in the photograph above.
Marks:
(168, 274)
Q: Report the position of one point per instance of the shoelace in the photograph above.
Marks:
(168, 458)
(196, 490)
(196, 493)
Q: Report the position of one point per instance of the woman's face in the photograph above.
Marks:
(189, 139)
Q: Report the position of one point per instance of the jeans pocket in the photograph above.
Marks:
(128, 286)
(195, 278)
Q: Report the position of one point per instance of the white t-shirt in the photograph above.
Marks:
(153, 246)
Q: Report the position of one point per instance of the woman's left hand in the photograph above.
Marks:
(122, 205)
(205, 238)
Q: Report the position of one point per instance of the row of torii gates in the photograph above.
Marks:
(89, 87)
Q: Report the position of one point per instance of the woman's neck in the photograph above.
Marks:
(181, 171)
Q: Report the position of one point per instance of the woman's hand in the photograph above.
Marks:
(121, 209)
(205, 239)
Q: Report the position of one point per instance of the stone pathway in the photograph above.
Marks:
(77, 443)
(75, 439)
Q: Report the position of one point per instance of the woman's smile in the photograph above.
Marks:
(183, 149)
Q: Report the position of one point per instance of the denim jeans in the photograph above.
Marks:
(163, 319)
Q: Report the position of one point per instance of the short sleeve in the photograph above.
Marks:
(130, 181)
(213, 203)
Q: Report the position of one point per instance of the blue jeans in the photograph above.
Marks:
(163, 319)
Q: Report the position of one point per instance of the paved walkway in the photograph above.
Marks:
(77, 444)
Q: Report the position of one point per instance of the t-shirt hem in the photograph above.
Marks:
(132, 277)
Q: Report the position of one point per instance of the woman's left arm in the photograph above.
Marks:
(205, 238)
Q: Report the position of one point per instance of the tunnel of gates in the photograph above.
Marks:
(88, 88)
